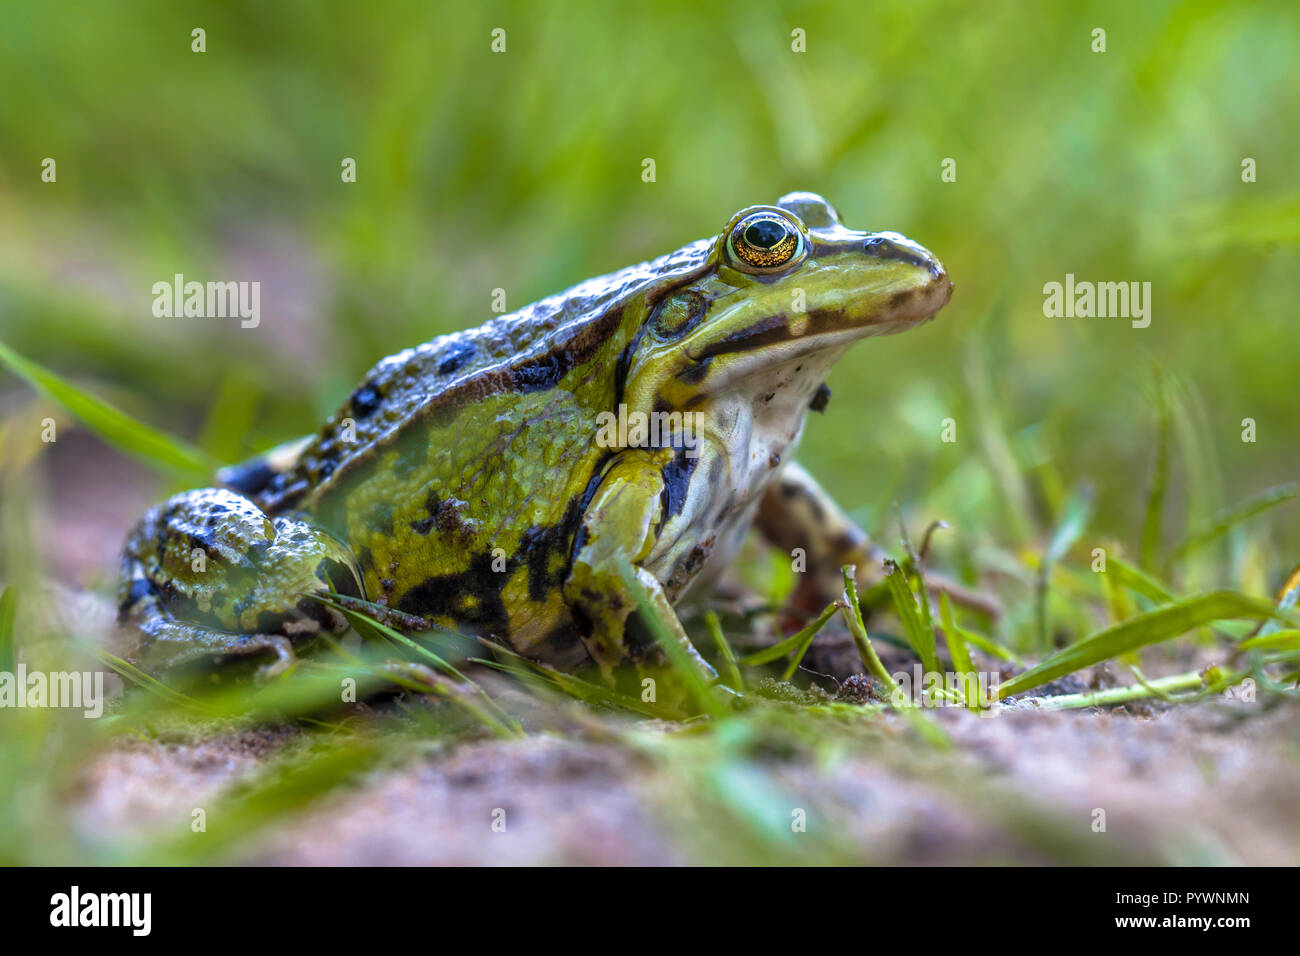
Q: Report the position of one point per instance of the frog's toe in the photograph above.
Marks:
(283, 651)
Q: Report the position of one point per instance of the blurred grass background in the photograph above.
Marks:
(522, 170)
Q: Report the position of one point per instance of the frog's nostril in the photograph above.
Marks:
(902, 251)
(884, 247)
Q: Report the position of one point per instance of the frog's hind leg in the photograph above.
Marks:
(797, 513)
(208, 575)
(799, 517)
(167, 643)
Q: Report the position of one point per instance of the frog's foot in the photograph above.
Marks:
(207, 575)
(283, 651)
(166, 643)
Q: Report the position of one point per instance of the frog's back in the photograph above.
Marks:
(527, 351)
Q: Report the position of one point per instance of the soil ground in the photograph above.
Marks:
(1190, 785)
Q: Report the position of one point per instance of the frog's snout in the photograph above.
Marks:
(890, 245)
(898, 248)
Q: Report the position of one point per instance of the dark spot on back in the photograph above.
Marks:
(539, 374)
(638, 639)
(365, 400)
(456, 358)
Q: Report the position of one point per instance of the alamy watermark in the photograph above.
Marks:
(1071, 299)
(79, 690)
(208, 300)
(948, 689)
(130, 910)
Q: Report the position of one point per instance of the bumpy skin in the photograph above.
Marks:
(464, 483)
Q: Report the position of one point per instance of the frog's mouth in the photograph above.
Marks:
(841, 317)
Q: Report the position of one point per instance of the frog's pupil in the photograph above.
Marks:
(765, 233)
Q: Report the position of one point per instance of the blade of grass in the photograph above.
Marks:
(916, 568)
(1150, 628)
(678, 659)
(900, 701)
(1161, 687)
(8, 611)
(961, 661)
(792, 643)
(1152, 522)
(918, 635)
(728, 656)
(858, 628)
(574, 687)
(115, 427)
(1077, 513)
(501, 722)
(990, 647)
(1137, 580)
(1287, 638)
(1225, 521)
(1286, 601)
(154, 686)
(798, 656)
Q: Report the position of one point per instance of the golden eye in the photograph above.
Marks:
(765, 240)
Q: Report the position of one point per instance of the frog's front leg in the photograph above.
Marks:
(208, 575)
(617, 531)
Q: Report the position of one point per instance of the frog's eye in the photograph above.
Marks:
(765, 240)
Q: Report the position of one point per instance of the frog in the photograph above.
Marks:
(478, 482)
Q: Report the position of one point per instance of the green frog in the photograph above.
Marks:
(556, 479)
